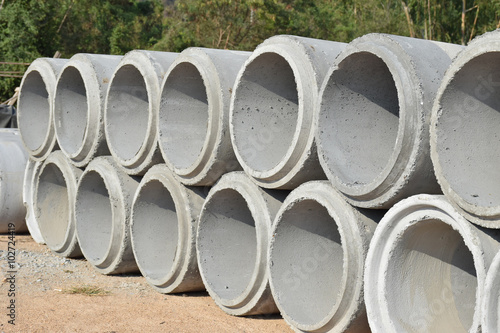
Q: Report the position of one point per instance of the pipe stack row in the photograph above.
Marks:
(305, 178)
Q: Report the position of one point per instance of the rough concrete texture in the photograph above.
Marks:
(131, 109)
(30, 175)
(426, 268)
(316, 260)
(163, 231)
(12, 164)
(272, 110)
(465, 144)
(374, 115)
(35, 106)
(54, 204)
(232, 242)
(79, 106)
(103, 210)
(490, 311)
(193, 119)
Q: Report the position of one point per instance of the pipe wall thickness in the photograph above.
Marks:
(30, 175)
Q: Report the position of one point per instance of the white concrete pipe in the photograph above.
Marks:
(30, 175)
(79, 106)
(131, 109)
(490, 310)
(232, 242)
(163, 231)
(35, 106)
(374, 116)
(272, 110)
(54, 204)
(102, 211)
(193, 122)
(13, 159)
(316, 260)
(465, 144)
(426, 269)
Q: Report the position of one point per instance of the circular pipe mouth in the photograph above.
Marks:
(70, 110)
(155, 230)
(127, 112)
(35, 106)
(467, 129)
(227, 245)
(94, 216)
(359, 120)
(265, 112)
(307, 263)
(184, 116)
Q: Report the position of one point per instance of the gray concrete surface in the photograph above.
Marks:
(30, 175)
(490, 322)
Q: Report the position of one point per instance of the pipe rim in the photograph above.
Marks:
(490, 322)
(31, 171)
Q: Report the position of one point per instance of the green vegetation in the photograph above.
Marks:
(32, 28)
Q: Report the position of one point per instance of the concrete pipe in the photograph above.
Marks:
(194, 114)
(272, 108)
(35, 107)
(30, 175)
(232, 242)
(426, 269)
(131, 109)
(163, 231)
(374, 116)
(491, 315)
(102, 210)
(79, 106)
(316, 260)
(465, 145)
(54, 204)
(12, 164)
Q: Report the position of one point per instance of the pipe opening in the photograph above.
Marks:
(227, 244)
(467, 128)
(434, 269)
(183, 115)
(265, 112)
(155, 230)
(127, 114)
(359, 119)
(53, 206)
(307, 263)
(70, 110)
(94, 217)
(35, 107)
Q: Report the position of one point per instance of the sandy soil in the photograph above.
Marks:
(43, 304)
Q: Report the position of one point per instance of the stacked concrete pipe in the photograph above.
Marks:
(272, 110)
(316, 260)
(163, 231)
(374, 116)
(426, 269)
(79, 106)
(35, 106)
(232, 243)
(12, 164)
(490, 308)
(131, 109)
(102, 212)
(30, 175)
(54, 204)
(193, 122)
(465, 144)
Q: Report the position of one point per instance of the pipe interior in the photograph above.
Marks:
(94, 217)
(35, 108)
(184, 115)
(266, 112)
(127, 114)
(53, 206)
(359, 119)
(434, 269)
(155, 230)
(467, 129)
(307, 263)
(227, 244)
(70, 110)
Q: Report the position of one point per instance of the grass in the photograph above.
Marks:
(87, 290)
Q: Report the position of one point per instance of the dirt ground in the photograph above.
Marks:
(42, 301)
